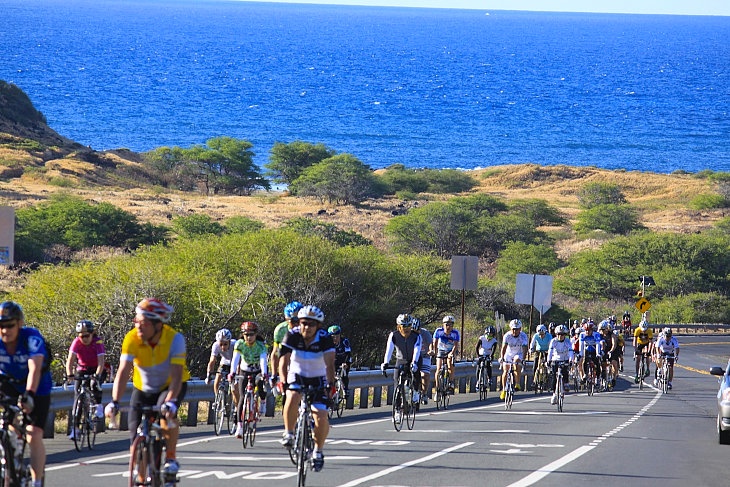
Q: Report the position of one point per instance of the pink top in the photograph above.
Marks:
(87, 356)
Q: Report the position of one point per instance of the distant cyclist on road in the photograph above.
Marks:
(86, 357)
(514, 351)
(343, 356)
(560, 351)
(643, 337)
(222, 347)
(590, 350)
(486, 349)
(667, 349)
(424, 366)
(308, 359)
(250, 358)
(407, 347)
(290, 321)
(539, 345)
(446, 344)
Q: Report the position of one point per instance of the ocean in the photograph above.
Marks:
(436, 88)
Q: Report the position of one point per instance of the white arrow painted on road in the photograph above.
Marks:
(510, 451)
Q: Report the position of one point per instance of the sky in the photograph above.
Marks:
(676, 7)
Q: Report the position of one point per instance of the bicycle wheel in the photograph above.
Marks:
(93, 422)
(561, 392)
(410, 408)
(220, 411)
(7, 465)
(253, 423)
(293, 454)
(591, 380)
(483, 382)
(231, 422)
(341, 399)
(303, 449)
(80, 428)
(245, 417)
(398, 408)
(138, 463)
(642, 372)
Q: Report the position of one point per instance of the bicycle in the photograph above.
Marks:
(14, 467)
(146, 453)
(85, 422)
(339, 400)
(542, 374)
(664, 372)
(483, 379)
(224, 407)
(574, 375)
(509, 385)
(250, 411)
(559, 386)
(302, 453)
(443, 391)
(643, 369)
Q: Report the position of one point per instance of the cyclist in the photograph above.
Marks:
(308, 359)
(643, 336)
(223, 348)
(446, 344)
(407, 346)
(86, 357)
(621, 345)
(514, 350)
(155, 354)
(667, 349)
(290, 321)
(539, 345)
(609, 347)
(560, 350)
(250, 358)
(626, 323)
(590, 350)
(424, 366)
(24, 360)
(343, 356)
(485, 350)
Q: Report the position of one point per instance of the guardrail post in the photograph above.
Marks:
(364, 391)
(377, 396)
(192, 414)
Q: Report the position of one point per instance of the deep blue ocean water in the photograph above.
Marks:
(423, 87)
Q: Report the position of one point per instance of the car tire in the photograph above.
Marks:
(723, 436)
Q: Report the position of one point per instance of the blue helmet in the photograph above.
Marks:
(291, 309)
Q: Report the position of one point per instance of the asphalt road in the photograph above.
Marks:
(626, 437)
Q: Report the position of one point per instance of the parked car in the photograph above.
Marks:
(723, 403)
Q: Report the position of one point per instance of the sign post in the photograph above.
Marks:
(464, 273)
(535, 290)
(7, 235)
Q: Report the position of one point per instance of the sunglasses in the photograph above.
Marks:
(5, 326)
(249, 334)
(308, 323)
(86, 335)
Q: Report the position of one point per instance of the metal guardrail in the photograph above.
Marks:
(370, 384)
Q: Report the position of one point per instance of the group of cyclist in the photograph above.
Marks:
(304, 354)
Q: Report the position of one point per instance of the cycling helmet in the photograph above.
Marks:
(85, 326)
(334, 330)
(667, 331)
(415, 324)
(10, 310)
(448, 319)
(561, 330)
(403, 319)
(575, 322)
(643, 325)
(224, 334)
(291, 309)
(603, 325)
(490, 331)
(515, 325)
(154, 309)
(311, 312)
(583, 321)
(542, 329)
(249, 327)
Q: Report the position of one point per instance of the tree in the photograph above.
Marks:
(615, 219)
(227, 165)
(340, 179)
(287, 161)
(594, 194)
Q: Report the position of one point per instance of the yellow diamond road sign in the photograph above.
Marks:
(643, 305)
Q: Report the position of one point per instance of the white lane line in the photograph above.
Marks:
(543, 472)
(390, 470)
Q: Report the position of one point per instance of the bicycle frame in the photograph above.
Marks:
(559, 386)
(13, 468)
(302, 453)
(509, 385)
(83, 417)
(146, 452)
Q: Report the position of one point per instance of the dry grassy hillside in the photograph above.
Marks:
(661, 198)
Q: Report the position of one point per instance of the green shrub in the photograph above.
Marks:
(708, 202)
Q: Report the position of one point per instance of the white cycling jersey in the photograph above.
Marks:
(215, 351)
(665, 346)
(560, 351)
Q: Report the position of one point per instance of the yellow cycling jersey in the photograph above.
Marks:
(643, 337)
(152, 364)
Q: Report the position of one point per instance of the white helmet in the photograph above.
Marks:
(448, 319)
(515, 325)
(404, 319)
(541, 329)
(223, 334)
(311, 312)
(643, 325)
